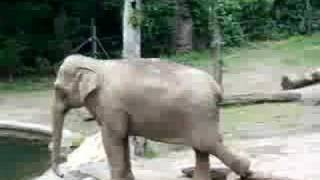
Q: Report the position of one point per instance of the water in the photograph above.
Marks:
(21, 159)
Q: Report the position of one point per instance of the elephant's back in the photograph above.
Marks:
(163, 80)
(162, 84)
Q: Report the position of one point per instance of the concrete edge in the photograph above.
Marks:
(41, 133)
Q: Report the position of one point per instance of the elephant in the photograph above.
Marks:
(156, 99)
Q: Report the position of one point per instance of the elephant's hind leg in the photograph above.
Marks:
(239, 165)
(202, 165)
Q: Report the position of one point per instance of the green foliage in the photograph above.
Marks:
(290, 15)
(158, 26)
(150, 153)
(136, 18)
(301, 51)
(194, 58)
(32, 39)
(9, 59)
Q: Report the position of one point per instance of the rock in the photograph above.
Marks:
(91, 150)
(77, 175)
(215, 173)
(295, 159)
(89, 161)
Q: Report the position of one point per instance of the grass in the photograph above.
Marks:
(295, 51)
(274, 116)
(300, 50)
(195, 58)
(26, 84)
(150, 153)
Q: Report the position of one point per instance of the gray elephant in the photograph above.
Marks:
(159, 100)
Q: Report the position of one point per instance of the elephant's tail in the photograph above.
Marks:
(217, 91)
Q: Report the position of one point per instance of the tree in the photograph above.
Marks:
(60, 30)
(132, 49)
(216, 43)
(308, 16)
(184, 26)
(131, 29)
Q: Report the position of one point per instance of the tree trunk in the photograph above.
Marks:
(10, 78)
(259, 98)
(216, 44)
(276, 9)
(131, 29)
(308, 16)
(184, 27)
(132, 49)
(294, 81)
(59, 29)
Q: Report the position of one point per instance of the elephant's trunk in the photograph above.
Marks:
(58, 113)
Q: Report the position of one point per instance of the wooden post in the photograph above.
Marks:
(216, 46)
(94, 38)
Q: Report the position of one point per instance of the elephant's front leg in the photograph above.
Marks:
(117, 149)
(202, 165)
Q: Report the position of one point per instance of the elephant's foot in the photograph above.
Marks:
(236, 163)
(129, 176)
(201, 171)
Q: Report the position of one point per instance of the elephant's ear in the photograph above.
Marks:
(87, 82)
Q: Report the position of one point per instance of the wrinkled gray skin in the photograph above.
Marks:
(155, 99)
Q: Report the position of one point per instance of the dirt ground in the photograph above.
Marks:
(294, 152)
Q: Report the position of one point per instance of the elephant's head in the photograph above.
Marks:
(77, 78)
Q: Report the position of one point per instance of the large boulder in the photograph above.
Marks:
(89, 162)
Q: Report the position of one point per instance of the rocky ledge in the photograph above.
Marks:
(37, 133)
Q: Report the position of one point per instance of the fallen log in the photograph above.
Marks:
(259, 98)
(294, 81)
(225, 174)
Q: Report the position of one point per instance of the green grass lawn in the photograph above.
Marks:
(295, 51)
(276, 116)
(300, 50)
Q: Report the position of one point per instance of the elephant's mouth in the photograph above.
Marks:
(22, 159)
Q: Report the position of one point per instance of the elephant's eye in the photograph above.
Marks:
(60, 91)
(58, 87)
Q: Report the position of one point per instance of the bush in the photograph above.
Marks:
(34, 34)
(9, 58)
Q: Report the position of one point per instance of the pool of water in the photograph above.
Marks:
(21, 159)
